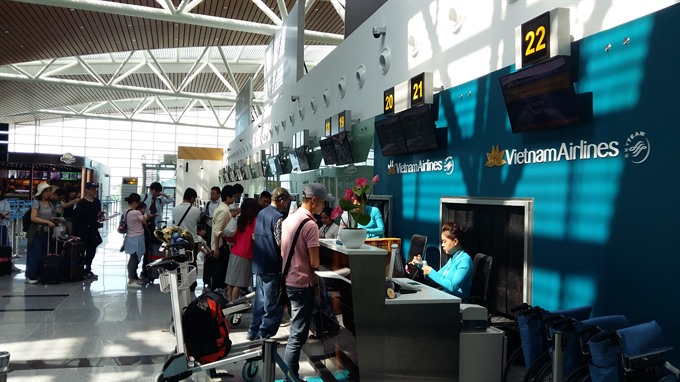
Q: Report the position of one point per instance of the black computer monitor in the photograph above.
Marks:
(328, 151)
(275, 165)
(390, 136)
(342, 149)
(417, 124)
(295, 165)
(541, 96)
(303, 160)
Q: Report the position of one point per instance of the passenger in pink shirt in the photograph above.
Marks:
(305, 258)
(240, 269)
(134, 238)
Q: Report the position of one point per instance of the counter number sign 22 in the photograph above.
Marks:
(536, 39)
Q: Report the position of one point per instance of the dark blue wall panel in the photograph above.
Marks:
(606, 229)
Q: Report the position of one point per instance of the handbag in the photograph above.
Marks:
(281, 293)
(231, 228)
(122, 227)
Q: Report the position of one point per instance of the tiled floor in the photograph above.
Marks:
(95, 330)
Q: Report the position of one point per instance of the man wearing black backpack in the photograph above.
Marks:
(185, 215)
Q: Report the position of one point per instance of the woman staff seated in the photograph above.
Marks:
(456, 275)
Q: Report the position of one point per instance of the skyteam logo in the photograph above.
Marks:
(637, 147)
(448, 165)
(427, 165)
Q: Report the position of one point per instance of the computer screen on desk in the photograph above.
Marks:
(395, 264)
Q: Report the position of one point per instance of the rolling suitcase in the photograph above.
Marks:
(52, 264)
(72, 252)
(5, 253)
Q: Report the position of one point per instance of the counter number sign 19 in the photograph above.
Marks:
(341, 121)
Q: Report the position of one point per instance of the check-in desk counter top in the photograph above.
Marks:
(411, 337)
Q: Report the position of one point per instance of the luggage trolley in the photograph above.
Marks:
(178, 366)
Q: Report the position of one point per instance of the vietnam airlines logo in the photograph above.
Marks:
(426, 165)
(495, 157)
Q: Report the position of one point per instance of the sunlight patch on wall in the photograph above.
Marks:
(548, 184)
(616, 75)
(578, 290)
(464, 101)
(545, 288)
(595, 188)
(552, 290)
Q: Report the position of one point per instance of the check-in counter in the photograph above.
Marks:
(411, 337)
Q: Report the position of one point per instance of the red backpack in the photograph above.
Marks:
(205, 328)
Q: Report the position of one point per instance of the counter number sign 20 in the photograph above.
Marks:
(536, 39)
(388, 97)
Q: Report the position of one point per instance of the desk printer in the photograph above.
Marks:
(473, 317)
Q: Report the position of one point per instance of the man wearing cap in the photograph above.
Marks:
(41, 220)
(267, 314)
(301, 278)
(86, 222)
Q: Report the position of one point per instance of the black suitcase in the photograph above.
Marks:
(52, 269)
(5, 254)
(73, 253)
(53, 263)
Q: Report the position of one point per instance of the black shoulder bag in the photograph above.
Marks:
(281, 294)
(123, 226)
(183, 216)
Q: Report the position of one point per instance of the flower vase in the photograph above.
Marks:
(352, 238)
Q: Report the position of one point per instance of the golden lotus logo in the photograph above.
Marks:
(392, 169)
(495, 157)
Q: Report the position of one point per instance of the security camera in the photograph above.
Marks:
(240, 139)
(294, 98)
(378, 31)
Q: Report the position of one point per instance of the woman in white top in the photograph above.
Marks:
(134, 238)
(328, 230)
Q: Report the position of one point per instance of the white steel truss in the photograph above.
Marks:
(112, 71)
(182, 14)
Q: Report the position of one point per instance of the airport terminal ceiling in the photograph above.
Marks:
(70, 58)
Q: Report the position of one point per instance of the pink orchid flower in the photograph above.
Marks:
(349, 194)
(337, 211)
(376, 179)
(361, 182)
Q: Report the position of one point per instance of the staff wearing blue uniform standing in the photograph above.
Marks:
(456, 275)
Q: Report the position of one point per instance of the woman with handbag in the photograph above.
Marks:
(41, 221)
(134, 246)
